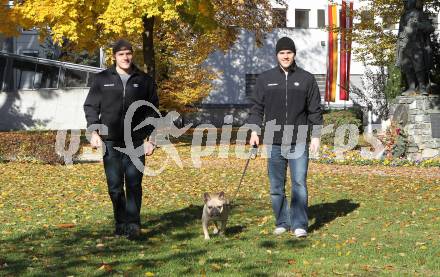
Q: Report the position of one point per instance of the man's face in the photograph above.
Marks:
(285, 58)
(123, 59)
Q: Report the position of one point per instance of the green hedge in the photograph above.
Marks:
(32, 146)
(339, 118)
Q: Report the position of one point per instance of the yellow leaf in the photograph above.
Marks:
(216, 267)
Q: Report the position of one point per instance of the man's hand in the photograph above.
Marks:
(149, 147)
(95, 140)
(314, 146)
(254, 140)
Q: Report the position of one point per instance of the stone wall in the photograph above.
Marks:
(418, 115)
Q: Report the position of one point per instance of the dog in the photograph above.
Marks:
(216, 209)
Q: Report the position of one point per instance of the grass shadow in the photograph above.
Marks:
(173, 220)
(327, 212)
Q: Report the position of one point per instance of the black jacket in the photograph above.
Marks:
(107, 103)
(292, 100)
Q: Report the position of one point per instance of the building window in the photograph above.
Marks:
(321, 18)
(46, 76)
(75, 78)
(302, 19)
(251, 80)
(24, 74)
(279, 17)
(29, 52)
(2, 71)
(90, 79)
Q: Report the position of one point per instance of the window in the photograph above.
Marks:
(75, 78)
(279, 17)
(251, 80)
(31, 30)
(321, 18)
(30, 52)
(2, 70)
(90, 79)
(302, 19)
(46, 76)
(24, 74)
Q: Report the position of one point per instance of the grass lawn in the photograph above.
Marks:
(364, 221)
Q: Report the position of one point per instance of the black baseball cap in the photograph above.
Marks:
(121, 45)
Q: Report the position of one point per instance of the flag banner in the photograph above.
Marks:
(332, 65)
(349, 43)
(343, 54)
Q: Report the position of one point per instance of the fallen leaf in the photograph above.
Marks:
(66, 225)
(216, 267)
(105, 267)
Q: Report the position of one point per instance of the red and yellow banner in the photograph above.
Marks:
(349, 43)
(332, 68)
(343, 66)
(346, 28)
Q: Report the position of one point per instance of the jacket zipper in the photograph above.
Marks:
(123, 95)
(286, 97)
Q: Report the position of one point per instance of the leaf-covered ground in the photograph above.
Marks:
(364, 221)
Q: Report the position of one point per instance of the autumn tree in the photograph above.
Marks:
(375, 33)
(374, 30)
(8, 19)
(175, 36)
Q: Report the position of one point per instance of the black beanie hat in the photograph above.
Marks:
(121, 45)
(285, 43)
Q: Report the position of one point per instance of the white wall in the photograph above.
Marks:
(45, 109)
(246, 58)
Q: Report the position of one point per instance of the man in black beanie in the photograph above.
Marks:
(288, 98)
(110, 96)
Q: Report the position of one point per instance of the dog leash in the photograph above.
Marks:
(252, 155)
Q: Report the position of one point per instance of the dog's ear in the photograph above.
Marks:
(221, 195)
(206, 197)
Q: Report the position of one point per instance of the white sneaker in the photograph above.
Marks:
(300, 233)
(279, 230)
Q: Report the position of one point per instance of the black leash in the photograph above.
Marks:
(252, 155)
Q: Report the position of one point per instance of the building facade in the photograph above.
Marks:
(37, 91)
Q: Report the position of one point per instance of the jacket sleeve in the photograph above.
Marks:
(257, 100)
(92, 105)
(314, 109)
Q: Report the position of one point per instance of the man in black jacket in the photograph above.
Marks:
(111, 94)
(288, 97)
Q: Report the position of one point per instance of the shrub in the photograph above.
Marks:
(34, 146)
(393, 87)
(339, 118)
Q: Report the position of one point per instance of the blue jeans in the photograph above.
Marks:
(119, 168)
(298, 161)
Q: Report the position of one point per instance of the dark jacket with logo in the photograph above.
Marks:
(107, 103)
(289, 100)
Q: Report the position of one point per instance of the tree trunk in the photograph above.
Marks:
(148, 47)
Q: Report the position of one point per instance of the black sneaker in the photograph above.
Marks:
(120, 230)
(133, 231)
